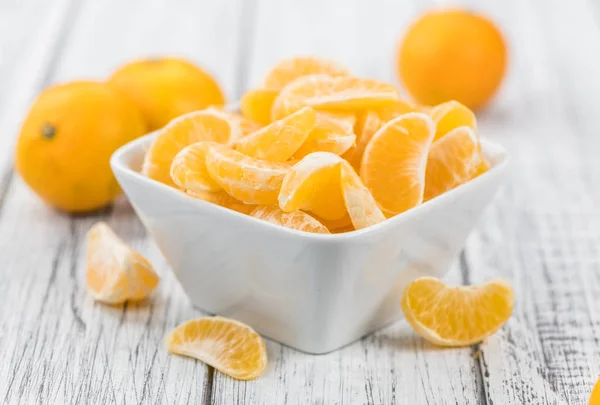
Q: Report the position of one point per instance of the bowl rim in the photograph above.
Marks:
(119, 163)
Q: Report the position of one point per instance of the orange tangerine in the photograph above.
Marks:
(342, 93)
(331, 133)
(278, 141)
(207, 125)
(256, 105)
(228, 345)
(453, 160)
(457, 316)
(394, 162)
(246, 125)
(115, 272)
(295, 220)
(313, 184)
(222, 199)
(165, 88)
(250, 180)
(450, 115)
(452, 54)
(288, 70)
(189, 171)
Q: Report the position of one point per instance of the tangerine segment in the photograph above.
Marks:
(333, 93)
(343, 224)
(453, 160)
(278, 141)
(222, 199)
(256, 105)
(331, 133)
(394, 162)
(230, 346)
(206, 125)
(368, 123)
(189, 171)
(313, 184)
(115, 272)
(457, 316)
(247, 179)
(288, 70)
(295, 220)
(450, 115)
(360, 204)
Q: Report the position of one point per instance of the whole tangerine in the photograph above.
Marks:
(65, 144)
(452, 55)
(165, 88)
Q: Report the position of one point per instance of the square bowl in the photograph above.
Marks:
(312, 292)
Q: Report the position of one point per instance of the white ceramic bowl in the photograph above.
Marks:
(312, 292)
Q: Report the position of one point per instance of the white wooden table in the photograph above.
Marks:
(542, 232)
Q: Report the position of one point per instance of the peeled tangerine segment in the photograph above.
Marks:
(457, 316)
(189, 171)
(450, 115)
(115, 272)
(326, 185)
(278, 141)
(360, 204)
(332, 133)
(228, 345)
(394, 162)
(453, 160)
(222, 199)
(256, 105)
(343, 93)
(295, 220)
(313, 184)
(247, 179)
(246, 125)
(369, 122)
(290, 69)
(206, 125)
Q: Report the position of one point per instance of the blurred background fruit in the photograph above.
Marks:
(165, 88)
(66, 141)
(452, 55)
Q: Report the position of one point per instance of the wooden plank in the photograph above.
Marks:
(393, 365)
(56, 344)
(543, 230)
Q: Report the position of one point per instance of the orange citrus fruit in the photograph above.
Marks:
(278, 141)
(343, 224)
(313, 184)
(453, 160)
(256, 105)
(207, 125)
(222, 199)
(331, 133)
(250, 180)
(452, 55)
(456, 316)
(360, 204)
(288, 70)
(295, 220)
(188, 170)
(450, 115)
(230, 346)
(66, 141)
(595, 395)
(342, 93)
(394, 162)
(165, 88)
(115, 272)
